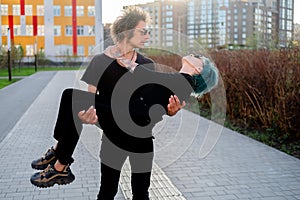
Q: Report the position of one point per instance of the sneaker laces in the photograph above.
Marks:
(45, 171)
(44, 157)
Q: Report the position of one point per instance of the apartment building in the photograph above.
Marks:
(58, 28)
(221, 23)
(168, 24)
(241, 22)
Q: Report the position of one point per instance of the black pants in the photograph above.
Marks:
(68, 126)
(67, 132)
(112, 160)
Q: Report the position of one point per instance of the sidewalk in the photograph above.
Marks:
(237, 168)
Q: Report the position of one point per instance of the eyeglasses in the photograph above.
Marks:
(144, 31)
(197, 56)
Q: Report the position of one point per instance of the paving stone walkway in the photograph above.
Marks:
(236, 168)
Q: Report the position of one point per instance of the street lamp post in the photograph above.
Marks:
(35, 55)
(8, 54)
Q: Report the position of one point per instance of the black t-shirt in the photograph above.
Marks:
(136, 93)
(105, 73)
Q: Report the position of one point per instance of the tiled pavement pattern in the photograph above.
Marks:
(161, 187)
(237, 167)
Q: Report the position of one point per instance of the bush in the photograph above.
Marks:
(263, 94)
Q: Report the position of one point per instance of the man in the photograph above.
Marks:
(128, 32)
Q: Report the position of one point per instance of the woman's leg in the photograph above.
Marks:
(67, 130)
(68, 126)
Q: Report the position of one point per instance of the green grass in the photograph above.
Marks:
(17, 72)
(6, 82)
(26, 72)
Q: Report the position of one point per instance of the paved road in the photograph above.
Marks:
(237, 168)
(16, 98)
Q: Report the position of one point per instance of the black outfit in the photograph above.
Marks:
(122, 105)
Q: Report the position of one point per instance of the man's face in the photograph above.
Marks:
(140, 35)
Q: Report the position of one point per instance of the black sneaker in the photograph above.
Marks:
(43, 162)
(49, 176)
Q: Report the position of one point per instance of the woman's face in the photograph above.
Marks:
(140, 35)
(195, 61)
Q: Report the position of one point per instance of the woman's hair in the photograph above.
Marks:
(124, 24)
(207, 79)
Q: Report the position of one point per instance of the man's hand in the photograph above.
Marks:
(89, 116)
(174, 105)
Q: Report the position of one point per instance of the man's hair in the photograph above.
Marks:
(126, 22)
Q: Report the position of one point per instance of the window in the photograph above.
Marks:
(80, 50)
(56, 10)
(80, 11)
(169, 37)
(29, 30)
(57, 30)
(169, 44)
(4, 9)
(40, 10)
(68, 10)
(41, 30)
(68, 50)
(91, 11)
(169, 13)
(80, 30)
(91, 49)
(17, 30)
(4, 30)
(169, 19)
(28, 10)
(29, 50)
(69, 31)
(16, 9)
(169, 26)
(91, 30)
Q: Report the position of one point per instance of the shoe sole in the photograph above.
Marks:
(51, 183)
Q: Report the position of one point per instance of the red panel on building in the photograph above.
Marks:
(22, 7)
(35, 24)
(74, 26)
(11, 26)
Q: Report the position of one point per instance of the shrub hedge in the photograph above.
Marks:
(262, 92)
